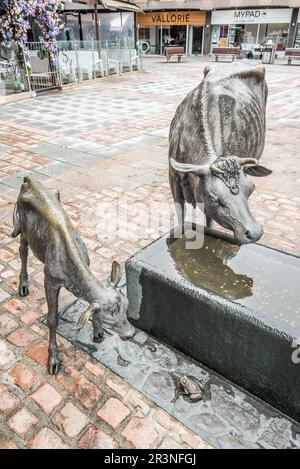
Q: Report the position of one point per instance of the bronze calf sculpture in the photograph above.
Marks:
(45, 227)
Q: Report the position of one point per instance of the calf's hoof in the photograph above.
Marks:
(53, 364)
(23, 289)
(98, 338)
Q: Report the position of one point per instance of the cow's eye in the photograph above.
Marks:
(214, 198)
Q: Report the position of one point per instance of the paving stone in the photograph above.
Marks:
(29, 317)
(95, 438)
(24, 377)
(71, 420)
(3, 295)
(15, 307)
(138, 403)
(8, 401)
(140, 433)
(7, 356)
(22, 421)
(7, 324)
(80, 387)
(96, 370)
(117, 387)
(21, 337)
(39, 353)
(47, 439)
(113, 412)
(47, 398)
(8, 445)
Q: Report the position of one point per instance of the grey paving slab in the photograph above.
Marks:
(16, 180)
(4, 147)
(56, 152)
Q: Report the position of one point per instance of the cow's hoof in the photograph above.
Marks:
(53, 365)
(23, 289)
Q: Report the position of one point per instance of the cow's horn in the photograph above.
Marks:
(189, 168)
(215, 169)
(248, 161)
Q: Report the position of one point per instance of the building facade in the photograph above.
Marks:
(200, 25)
(196, 25)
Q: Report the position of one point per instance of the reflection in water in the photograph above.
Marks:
(263, 280)
(209, 267)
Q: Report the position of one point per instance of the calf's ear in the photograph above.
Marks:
(86, 315)
(257, 170)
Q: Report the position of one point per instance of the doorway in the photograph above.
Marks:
(197, 40)
(172, 36)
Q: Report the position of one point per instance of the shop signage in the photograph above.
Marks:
(254, 16)
(171, 18)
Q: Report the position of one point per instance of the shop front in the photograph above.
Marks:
(251, 28)
(159, 29)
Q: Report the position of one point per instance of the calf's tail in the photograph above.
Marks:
(16, 223)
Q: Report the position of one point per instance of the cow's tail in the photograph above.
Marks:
(16, 222)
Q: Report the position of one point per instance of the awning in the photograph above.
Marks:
(120, 5)
(109, 4)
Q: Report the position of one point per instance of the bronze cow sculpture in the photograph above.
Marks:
(45, 227)
(216, 139)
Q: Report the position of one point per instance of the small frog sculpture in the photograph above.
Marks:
(190, 388)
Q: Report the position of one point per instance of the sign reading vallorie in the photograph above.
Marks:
(169, 18)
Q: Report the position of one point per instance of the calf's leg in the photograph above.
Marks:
(97, 328)
(52, 292)
(23, 285)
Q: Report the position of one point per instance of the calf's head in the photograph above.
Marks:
(225, 188)
(111, 307)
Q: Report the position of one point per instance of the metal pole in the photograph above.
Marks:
(120, 58)
(107, 61)
(187, 40)
(26, 72)
(77, 61)
(96, 23)
(93, 59)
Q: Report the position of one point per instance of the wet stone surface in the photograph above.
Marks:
(227, 417)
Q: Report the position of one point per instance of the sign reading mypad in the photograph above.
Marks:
(254, 16)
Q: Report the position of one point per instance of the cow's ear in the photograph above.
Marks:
(257, 170)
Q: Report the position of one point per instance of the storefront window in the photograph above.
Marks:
(278, 34)
(297, 39)
(110, 28)
(88, 27)
(72, 27)
(243, 35)
(148, 36)
(127, 20)
(117, 28)
(224, 32)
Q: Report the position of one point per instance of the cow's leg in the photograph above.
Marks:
(97, 328)
(178, 198)
(52, 292)
(23, 285)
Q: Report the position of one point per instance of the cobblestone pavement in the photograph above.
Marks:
(99, 143)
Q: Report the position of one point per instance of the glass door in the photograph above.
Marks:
(197, 40)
